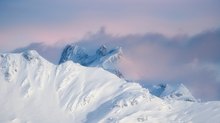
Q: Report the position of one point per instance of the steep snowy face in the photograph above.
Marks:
(107, 59)
(178, 92)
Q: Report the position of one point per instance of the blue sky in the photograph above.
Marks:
(166, 40)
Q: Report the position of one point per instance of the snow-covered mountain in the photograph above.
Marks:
(178, 92)
(107, 59)
(33, 90)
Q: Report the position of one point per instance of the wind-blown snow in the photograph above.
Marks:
(32, 90)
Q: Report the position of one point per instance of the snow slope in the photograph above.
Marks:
(32, 90)
(107, 59)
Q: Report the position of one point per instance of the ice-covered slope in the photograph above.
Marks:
(107, 59)
(32, 90)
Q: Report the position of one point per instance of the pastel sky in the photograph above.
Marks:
(163, 40)
(49, 21)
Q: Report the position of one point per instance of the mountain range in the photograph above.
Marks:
(86, 88)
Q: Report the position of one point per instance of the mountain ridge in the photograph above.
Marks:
(33, 90)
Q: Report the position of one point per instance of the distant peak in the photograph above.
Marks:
(103, 57)
(178, 92)
(117, 50)
(74, 53)
(162, 85)
(72, 48)
(102, 51)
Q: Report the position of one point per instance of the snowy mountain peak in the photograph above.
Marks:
(74, 53)
(9, 63)
(181, 93)
(107, 59)
(102, 51)
(30, 55)
(177, 92)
